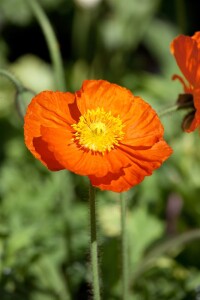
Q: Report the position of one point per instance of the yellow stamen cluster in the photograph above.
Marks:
(98, 130)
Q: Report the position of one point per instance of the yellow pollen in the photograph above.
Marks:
(98, 130)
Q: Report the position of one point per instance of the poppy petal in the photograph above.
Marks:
(79, 160)
(142, 165)
(116, 182)
(143, 127)
(138, 117)
(185, 50)
(60, 135)
(196, 37)
(45, 155)
(150, 158)
(111, 97)
(50, 109)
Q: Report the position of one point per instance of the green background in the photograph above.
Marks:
(44, 252)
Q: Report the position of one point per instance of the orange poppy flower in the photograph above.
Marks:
(186, 51)
(101, 131)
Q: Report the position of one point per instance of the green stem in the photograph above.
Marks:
(163, 248)
(19, 87)
(51, 42)
(177, 106)
(94, 248)
(168, 110)
(125, 277)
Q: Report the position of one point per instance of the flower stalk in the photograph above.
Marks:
(20, 89)
(124, 247)
(177, 106)
(168, 110)
(52, 43)
(93, 245)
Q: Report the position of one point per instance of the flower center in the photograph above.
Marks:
(98, 130)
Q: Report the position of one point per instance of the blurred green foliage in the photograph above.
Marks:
(44, 216)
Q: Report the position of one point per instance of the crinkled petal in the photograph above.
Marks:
(112, 182)
(85, 162)
(76, 158)
(143, 164)
(50, 136)
(103, 94)
(150, 158)
(47, 157)
(196, 37)
(51, 109)
(142, 125)
(186, 53)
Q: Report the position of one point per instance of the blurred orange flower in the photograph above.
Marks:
(186, 51)
(101, 131)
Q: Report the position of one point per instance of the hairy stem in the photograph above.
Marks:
(125, 276)
(94, 246)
